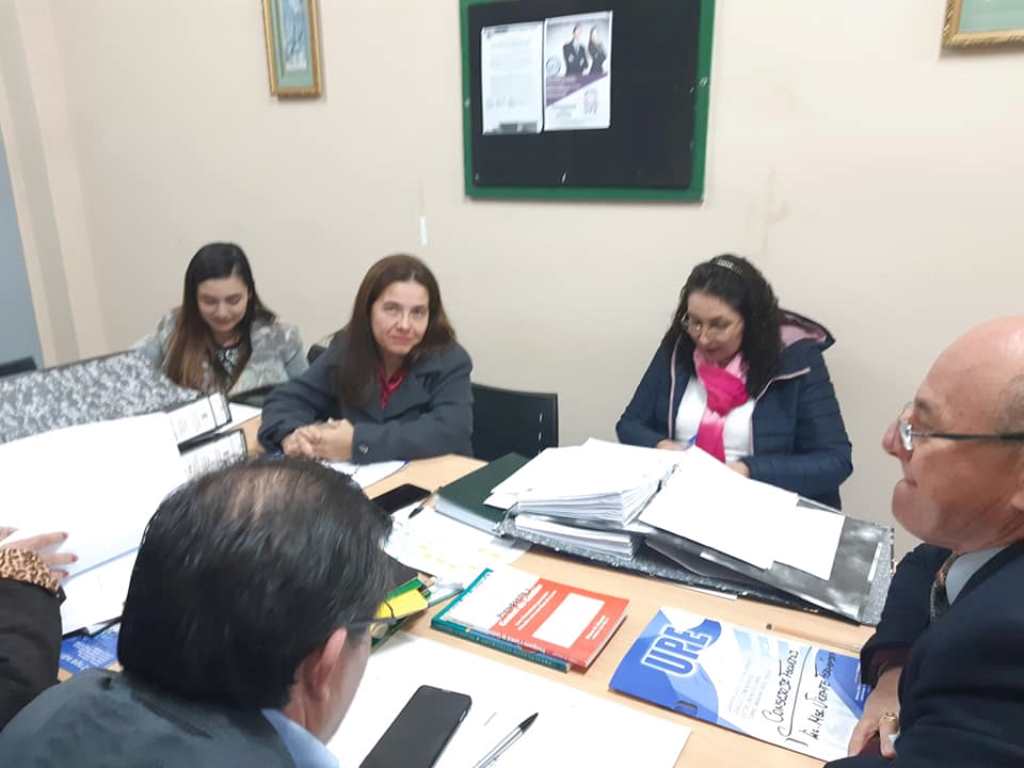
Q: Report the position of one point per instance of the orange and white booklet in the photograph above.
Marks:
(537, 614)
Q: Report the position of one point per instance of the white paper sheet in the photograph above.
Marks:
(810, 540)
(97, 595)
(366, 475)
(98, 482)
(452, 551)
(239, 415)
(707, 502)
(511, 78)
(572, 728)
(590, 470)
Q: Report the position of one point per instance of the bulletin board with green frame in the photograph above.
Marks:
(653, 147)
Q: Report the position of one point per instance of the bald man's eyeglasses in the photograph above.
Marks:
(908, 434)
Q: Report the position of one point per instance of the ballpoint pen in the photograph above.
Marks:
(505, 743)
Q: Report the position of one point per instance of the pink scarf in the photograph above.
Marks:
(727, 389)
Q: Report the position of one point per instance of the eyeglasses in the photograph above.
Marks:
(908, 433)
(716, 329)
(378, 628)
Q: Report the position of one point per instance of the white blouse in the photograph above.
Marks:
(737, 436)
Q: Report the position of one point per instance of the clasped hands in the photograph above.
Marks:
(330, 440)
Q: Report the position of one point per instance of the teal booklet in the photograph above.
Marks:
(795, 695)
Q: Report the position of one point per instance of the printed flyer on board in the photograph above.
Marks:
(799, 696)
(550, 75)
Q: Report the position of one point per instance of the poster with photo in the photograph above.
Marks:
(577, 72)
(511, 78)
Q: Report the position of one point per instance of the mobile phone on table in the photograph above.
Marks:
(400, 497)
(416, 738)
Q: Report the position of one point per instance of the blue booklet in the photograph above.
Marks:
(82, 652)
(796, 695)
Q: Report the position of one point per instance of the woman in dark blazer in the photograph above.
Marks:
(394, 383)
(745, 381)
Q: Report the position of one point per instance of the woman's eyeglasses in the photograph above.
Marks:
(714, 330)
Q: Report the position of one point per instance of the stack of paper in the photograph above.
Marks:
(707, 502)
(609, 542)
(596, 482)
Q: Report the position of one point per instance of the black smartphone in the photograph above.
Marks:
(416, 738)
(399, 497)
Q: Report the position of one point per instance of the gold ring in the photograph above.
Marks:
(889, 716)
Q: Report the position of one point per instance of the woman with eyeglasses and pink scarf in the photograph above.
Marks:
(744, 380)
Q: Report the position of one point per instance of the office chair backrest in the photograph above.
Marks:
(507, 421)
(255, 397)
(314, 352)
(21, 365)
(320, 347)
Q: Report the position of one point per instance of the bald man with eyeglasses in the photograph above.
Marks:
(947, 660)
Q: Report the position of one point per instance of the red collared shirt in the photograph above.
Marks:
(388, 386)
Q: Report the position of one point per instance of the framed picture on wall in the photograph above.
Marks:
(983, 22)
(292, 33)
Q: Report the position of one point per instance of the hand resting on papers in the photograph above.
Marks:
(674, 445)
(884, 700)
(44, 545)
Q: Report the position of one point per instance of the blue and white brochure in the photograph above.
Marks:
(796, 695)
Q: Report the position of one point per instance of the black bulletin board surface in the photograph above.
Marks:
(660, 80)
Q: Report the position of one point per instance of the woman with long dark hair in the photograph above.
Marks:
(746, 382)
(394, 383)
(222, 337)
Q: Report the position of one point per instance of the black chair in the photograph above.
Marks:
(255, 397)
(314, 352)
(21, 365)
(506, 421)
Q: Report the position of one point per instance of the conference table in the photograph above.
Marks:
(709, 746)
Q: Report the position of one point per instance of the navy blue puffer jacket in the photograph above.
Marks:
(799, 439)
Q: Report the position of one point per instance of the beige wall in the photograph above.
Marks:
(873, 177)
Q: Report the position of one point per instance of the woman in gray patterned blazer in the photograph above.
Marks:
(222, 337)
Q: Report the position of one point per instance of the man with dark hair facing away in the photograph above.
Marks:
(245, 632)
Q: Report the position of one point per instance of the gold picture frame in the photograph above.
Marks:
(980, 27)
(292, 34)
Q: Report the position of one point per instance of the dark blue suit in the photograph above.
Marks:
(575, 59)
(799, 438)
(962, 688)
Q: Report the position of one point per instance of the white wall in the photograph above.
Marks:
(872, 176)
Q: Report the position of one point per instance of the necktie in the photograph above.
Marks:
(939, 602)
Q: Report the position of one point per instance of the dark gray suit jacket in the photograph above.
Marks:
(103, 718)
(430, 414)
